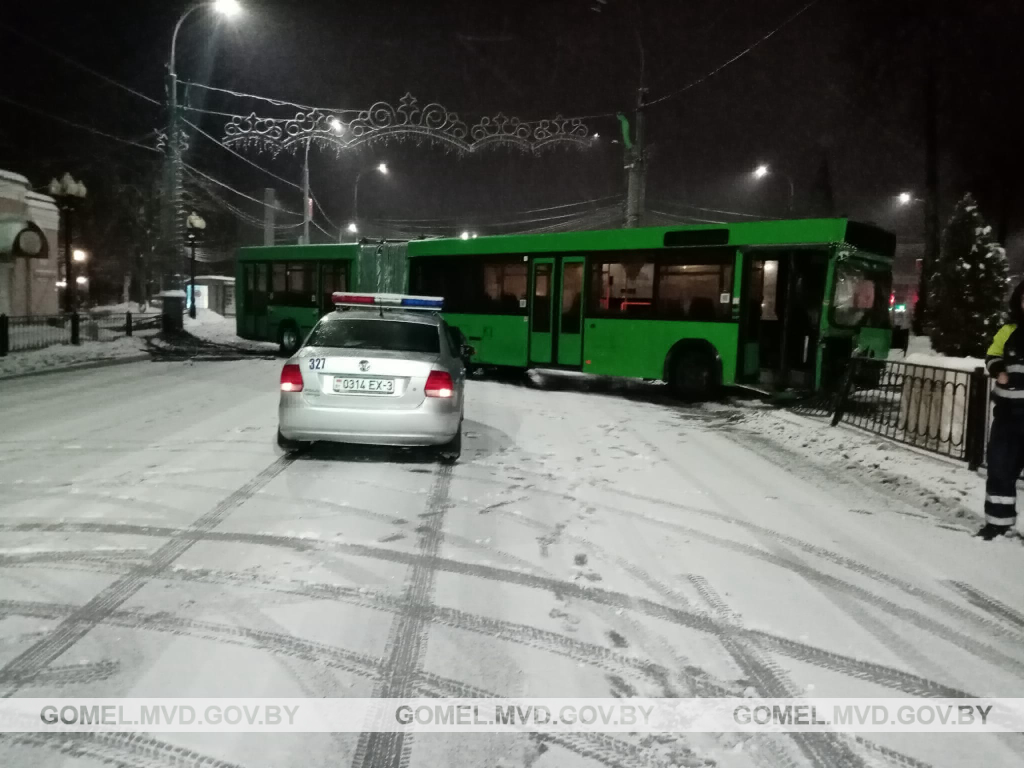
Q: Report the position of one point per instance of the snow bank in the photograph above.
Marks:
(18, 363)
(217, 329)
(940, 487)
(941, 361)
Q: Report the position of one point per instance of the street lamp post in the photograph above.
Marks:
(194, 227)
(382, 169)
(227, 8)
(68, 193)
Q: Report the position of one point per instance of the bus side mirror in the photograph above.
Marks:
(467, 352)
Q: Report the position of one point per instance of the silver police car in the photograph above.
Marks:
(383, 369)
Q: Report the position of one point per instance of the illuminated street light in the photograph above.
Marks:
(464, 235)
(474, 235)
(81, 280)
(227, 8)
(905, 198)
(762, 170)
(336, 125)
(382, 169)
(596, 135)
(79, 255)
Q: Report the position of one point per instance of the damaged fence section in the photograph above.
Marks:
(941, 410)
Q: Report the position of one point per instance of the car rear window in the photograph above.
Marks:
(391, 335)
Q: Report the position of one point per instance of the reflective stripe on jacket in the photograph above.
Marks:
(1006, 355)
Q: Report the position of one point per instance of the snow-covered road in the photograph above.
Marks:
(154, 541)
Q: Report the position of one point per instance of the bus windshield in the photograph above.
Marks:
(861, 296)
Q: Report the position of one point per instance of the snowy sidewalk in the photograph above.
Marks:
(68, 357)
(936, 486)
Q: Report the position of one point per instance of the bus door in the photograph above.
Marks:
(783, 294)
(803, 316)
(542, 273)
(256, 282)
(569, 345)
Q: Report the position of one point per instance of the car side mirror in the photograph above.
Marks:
(467, 352)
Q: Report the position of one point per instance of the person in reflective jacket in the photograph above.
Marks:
(1005, 364)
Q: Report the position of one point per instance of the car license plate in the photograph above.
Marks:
(364, 386)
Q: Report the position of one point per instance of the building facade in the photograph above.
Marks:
(29, 225)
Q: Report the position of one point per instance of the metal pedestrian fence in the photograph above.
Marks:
(23, 334)
(939, 410)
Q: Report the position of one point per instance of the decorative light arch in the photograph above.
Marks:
(384, 122)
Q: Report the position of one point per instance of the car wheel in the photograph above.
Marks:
(289, 340)
(451, 450)
(287, 444)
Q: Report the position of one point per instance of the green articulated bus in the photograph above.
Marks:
(772, 305)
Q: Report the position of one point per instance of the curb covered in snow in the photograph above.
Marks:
(79, 366)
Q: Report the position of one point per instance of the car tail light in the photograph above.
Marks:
(291, 378)
(439, 384)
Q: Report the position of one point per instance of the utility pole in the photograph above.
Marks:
(306, 201)
(269, 206)
(636, 168)
(931, 201)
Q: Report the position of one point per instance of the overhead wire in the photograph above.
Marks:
(97, 131)
(269, 100)
(228, 187)
(742, 214)
(240, 156)
(68, 60)
(734, 59)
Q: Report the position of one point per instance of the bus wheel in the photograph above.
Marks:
(289, 340)
(692, 375)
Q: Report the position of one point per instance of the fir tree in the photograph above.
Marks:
(967, 299)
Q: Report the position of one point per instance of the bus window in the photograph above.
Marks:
(698, 292)
(334, 278)
(622, 289)
(542, 298)
(860, 297)
(292, 285)
(278, 283)
(505, 288)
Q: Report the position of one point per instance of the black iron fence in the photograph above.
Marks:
(20, 334)
(935, 409)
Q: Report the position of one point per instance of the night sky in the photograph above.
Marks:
(844, 81)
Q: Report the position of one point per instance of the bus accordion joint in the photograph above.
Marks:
(387, 301)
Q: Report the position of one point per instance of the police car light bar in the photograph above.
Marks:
(387, 301)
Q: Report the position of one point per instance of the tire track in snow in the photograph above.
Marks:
(73, 628)
(407, 638)
(946, 606)
(867, 671)
(828, 750)
(904, 613)
(123, 750)
(702, 622)
(990, 604)
(75, 674)
(598, 656)
(952, 609)
(608, 750)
